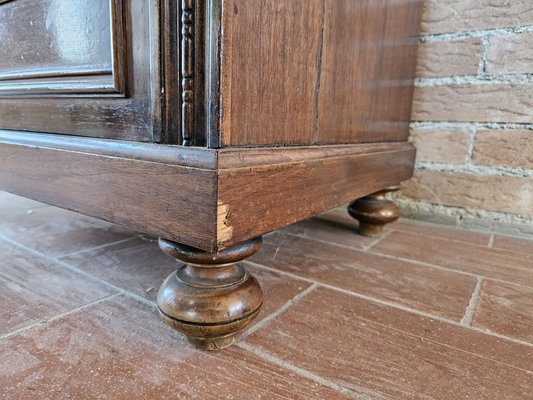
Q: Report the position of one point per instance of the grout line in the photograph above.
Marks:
(279, 311)
(58, 316)
(483, 56)
(475, 169)
(434, 266)
(468, 125)
(379, 239)
(491, 241)
(476, 33)
(69, 267)
(391, 304)
(472, 303)
(102, 246)
(485, 79)
(258, 351)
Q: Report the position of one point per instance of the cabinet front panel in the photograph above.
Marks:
(81, 67)
(57, 46)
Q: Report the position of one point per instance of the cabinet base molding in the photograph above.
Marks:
(210, 298)
(375, 211)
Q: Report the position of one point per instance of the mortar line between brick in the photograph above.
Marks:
(491, 241)
(486, 79)
(394, 305)
(475, 169)
(475, 33)
(80, 272)
(279, 311)
(46, 321)
(261, 353)
(471, 307)
(470, 125)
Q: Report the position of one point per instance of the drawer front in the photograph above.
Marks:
(81, 67)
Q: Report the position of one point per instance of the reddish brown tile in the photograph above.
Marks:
(423, 288)
(523, 246)
(439, 231)
(33, 289)
(139, 266)
(335, 226)
(55, 232)
(474, 259)
(118, 350)
(505, 308)
(388, 353)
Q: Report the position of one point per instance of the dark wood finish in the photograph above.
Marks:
(46, 47)
(210, 298)
(366, 79)
(147, 187)
(119, 99)
(235, 77)
(262, 198)
(375, 211)
(269, 80)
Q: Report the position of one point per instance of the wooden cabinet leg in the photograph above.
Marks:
(210, 298)
(375, 211)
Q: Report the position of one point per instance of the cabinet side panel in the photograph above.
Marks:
(270, 52)
(367, 71)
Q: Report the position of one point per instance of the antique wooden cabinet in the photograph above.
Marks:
(207, 123)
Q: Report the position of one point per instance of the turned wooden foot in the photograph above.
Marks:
(374, 211)
(210, 298)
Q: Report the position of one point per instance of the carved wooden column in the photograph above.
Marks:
(375, 211)
(210, 298)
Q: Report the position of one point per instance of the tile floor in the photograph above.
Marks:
(426, 312)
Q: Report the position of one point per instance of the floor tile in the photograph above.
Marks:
(118, 349)
(139, 266)
(33, 289)
(465, 257)
(11, 205)
(422, 288)
(523, 246)
(53, 231)
(441, 231)
(505, 308)
(335, 226)
(388, 353)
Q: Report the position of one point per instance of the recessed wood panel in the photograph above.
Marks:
(60, 46)
(90, 68)
(270, 51)
(367, 71)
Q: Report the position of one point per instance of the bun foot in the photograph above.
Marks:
(374, 211)
(211, 298)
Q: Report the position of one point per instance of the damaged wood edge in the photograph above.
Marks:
(223, 230)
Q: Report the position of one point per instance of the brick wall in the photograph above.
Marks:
(473, 113)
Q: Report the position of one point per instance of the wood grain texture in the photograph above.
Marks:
(163, 199)
(262, 198)
(134, 115)
(367, 71)
(270, 54)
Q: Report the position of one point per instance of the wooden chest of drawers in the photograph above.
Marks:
(208, 123)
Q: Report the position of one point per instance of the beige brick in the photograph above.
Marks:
(486, 192)
(474, 103)
(506, 148)
(443, 146)
(458, 57)
(442, 16)
(510, 54)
